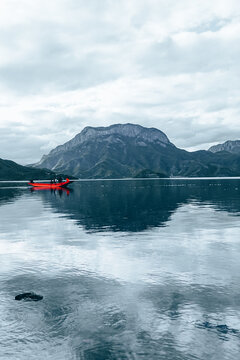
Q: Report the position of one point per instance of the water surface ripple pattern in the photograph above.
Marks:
(145, 269)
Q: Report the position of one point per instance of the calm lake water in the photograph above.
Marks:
(138, 269)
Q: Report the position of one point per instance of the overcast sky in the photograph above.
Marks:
(67, 64)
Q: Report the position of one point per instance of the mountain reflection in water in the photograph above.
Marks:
(136, 205)
(140, 269)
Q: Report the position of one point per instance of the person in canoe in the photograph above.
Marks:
(31, 181)
(60, 179)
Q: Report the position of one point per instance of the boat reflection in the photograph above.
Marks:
(57, 191)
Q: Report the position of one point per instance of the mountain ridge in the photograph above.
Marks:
(232, 146)
(128, 130)
(126, 150)
(10, 170)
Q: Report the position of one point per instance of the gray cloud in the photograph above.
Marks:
(68, 64)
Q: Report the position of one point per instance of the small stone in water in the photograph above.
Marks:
(30, 296)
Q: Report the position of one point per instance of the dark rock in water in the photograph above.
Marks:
(224, 329)
(29, 296)
(205, 325)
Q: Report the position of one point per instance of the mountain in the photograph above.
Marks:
(129, 150)
(9, 170)
(230, 146)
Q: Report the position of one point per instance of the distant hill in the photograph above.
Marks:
(9, 170)
(129, 150)
(230, 146)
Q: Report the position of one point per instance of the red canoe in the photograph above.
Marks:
(51, 185)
